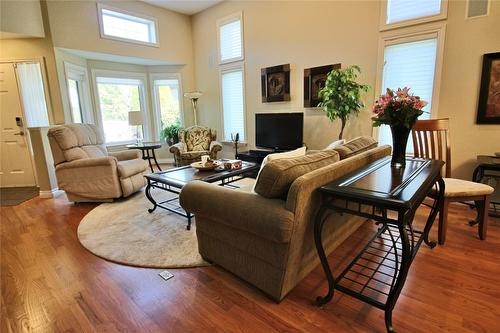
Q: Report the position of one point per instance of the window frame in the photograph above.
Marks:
(383, 26)
(412, 34)
(238, 16)
(154, 20)
(155, 102)
(228, 68)
(79, 74)
(143, 100)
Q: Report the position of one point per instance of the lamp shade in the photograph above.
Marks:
(135, 118)
(193, 94)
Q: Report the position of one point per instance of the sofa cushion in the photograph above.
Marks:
(276, 156)
(129, 168)
(355, 146)
(277, 176)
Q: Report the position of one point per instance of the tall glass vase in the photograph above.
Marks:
(400, 136)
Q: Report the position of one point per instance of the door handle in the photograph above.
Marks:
(21, 133)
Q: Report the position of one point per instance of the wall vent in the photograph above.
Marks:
(477, 8)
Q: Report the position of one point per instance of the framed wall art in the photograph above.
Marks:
(314, 80)
(488, 109)
(275, 83)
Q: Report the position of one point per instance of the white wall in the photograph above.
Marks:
(69, 19)
(21, 19)
(303, 34)
(307, 34)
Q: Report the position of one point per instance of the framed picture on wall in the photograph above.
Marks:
(314, 80)
(488, 109)
(275, 83)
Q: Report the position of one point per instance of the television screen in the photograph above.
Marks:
(279, 131)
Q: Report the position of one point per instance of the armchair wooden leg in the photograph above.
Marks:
(443, 217)
(483, 218)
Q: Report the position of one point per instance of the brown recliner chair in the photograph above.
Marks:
(86, 171)
(194, 142)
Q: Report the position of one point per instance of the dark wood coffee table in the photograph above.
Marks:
(173, 181)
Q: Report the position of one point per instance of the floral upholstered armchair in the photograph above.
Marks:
(194, 142)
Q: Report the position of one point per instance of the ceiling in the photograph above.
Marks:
(188, 7)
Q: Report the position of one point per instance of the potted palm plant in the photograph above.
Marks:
(341, 95)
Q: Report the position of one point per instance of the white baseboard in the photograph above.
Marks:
(50, 194)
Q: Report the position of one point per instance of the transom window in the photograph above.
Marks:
(230, 38)
(400, 13)
(117, 24)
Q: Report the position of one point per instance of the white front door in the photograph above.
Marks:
(16, 168)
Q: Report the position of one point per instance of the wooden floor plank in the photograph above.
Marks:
(50, 283)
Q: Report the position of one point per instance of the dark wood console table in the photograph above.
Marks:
(389, 196)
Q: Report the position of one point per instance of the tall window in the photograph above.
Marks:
(233, 102)
(78, 94)
(397, 13)
(118, 24)
(230, 38)
(167, 100)
(410, 64)
(117, 96)
(232, 75)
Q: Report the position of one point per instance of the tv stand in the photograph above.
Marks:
(255, 156)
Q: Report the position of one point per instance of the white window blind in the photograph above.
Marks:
(32, 94)
(403, 10)
(410, 64)
(125, 26)
(233, 103)
(230, 41)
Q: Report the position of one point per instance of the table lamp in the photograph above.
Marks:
(135, 118)
(193, 96)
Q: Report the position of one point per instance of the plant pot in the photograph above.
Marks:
(400, 136)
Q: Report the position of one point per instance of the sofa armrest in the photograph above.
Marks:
(247, 211)
(124, 155)
(178, 148)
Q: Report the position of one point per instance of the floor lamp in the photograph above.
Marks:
(135, 118)
(193, 96)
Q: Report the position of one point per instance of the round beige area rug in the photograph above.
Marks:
(124, 232)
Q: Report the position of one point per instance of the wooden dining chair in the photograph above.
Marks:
(431, 139)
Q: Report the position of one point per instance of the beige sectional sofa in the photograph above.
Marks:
(85, 169)
(266, 237)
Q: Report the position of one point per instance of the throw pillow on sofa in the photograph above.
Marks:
(277, 176)
(335, 144)
(287, 154)
(356, 146)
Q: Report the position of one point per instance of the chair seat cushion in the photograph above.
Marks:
(464, 188)
(129, 168)
(194, 154)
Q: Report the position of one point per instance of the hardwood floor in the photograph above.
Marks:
(50, 283)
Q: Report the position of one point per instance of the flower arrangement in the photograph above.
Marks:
(398, 109)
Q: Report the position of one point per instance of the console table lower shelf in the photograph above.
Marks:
(377, 274)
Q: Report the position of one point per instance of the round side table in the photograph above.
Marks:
(148, 152)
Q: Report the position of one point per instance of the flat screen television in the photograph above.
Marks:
(279, 131)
